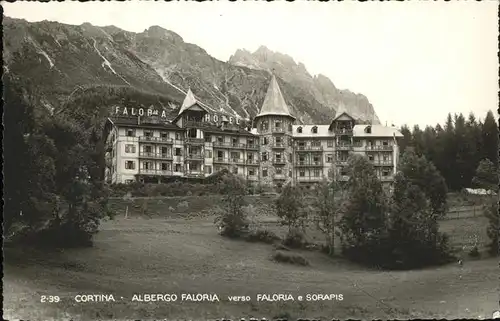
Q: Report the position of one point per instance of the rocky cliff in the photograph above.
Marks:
(70, 67)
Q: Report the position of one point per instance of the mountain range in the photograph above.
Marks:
(72, 67)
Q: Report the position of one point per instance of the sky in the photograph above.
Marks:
(415, 61)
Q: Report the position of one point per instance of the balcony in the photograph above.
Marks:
(309, 148)
(341, 162)
(382, 163)
(151, 155)
(195, 141)
(345, 146)
(144, 171)
(309, 164)
(229, 145)
(252, 162)
(194, 174)
(198, 157)
(236, 161)
(376, 148)
(278, 130)
(343, 131)
(279, 161)
(309, 179)
(388, 178)
(158, 140)
(220, 160)
(252, 146)
(278, 146)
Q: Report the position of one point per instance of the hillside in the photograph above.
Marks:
(59, 62)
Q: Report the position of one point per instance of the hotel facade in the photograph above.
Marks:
(276, 151)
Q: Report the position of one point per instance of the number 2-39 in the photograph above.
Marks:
(50, 299)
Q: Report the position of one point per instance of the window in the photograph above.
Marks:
(386, 158)
(208, 138)
(277, 125)
(250, 156)
(330, 143)
(290, 173)
(264, 140)
(148, 133)
(220, 139)
(235, 170)
(148, 149)
(264, 157)
(290, 127)
(385, 173)
(129, 148)
(164, 151)
(316, 160)
(250, 142)
(178, 168)
(178, 151)
(129, 165)
(220, 154)
(251, 172)
(235, 142)
(278, 141)
(164, 135)
(235, 155)
(208, 153)
(316, 143)
(329, 158)
(299, 130)
(278, 157)
(129, 181)
(385, 143)
(279, 171)
(302, 173)
(317, 173)
(130, 132)
(370, 157)
(147, 165)
(289, 157)
(343, 171)
(165, 166)
(264, 126)
(368, 129)
(314, 130)
(208, 169)
(302, 145)
(264, 173)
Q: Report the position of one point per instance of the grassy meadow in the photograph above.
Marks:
(174, 249)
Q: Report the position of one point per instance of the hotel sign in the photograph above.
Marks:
(139, 112)
(209, 118)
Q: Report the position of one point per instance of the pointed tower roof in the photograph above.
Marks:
(274, 103)
(340, 111)
(189, 101)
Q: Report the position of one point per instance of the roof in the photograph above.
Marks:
(307, 131)
(190, 101)
(274, 103)
(341, 110)
(376, 131)
(143, 122)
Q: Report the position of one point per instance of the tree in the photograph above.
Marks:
(493, 229)
(489, 135)
(231, 217)
(363, 222)
(486, 176)
(424, 174)
(290, 208)
(413, 230)
(327, 207)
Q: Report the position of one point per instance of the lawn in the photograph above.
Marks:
(169, 254)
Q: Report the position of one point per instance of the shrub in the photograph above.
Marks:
(263, 236)
(231, 217)
(474, 252)
(292, 258)
(294, 239)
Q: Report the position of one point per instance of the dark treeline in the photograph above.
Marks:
(457, 147)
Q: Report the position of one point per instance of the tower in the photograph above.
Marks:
(274, 128)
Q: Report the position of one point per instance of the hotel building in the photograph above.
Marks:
(274, 152)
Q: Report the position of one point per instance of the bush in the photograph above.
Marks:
(294, 239)
(263, 236)
(474, 252)
(291, 258)
(231, 217)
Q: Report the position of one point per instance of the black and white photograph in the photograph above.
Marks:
(250, 160)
